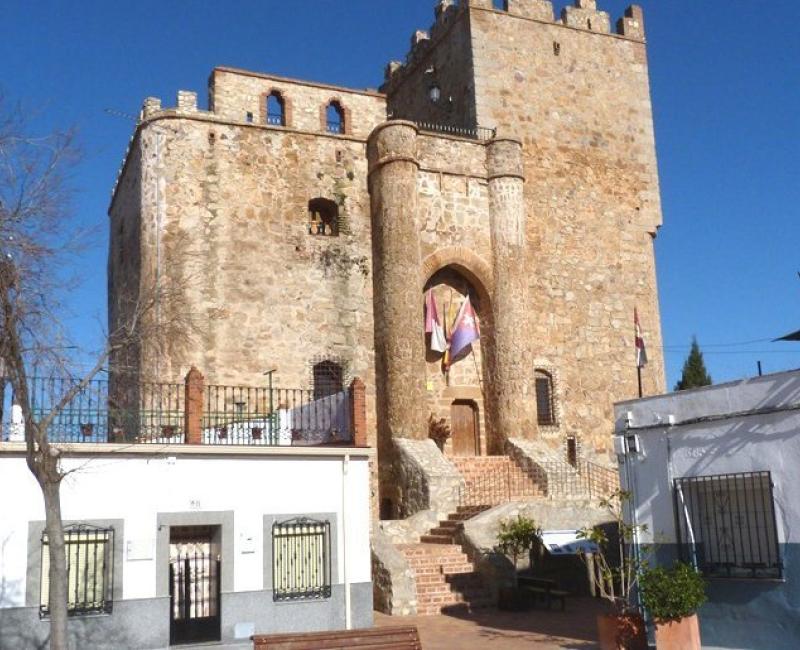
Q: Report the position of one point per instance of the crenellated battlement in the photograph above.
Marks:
(185, 102)
(582, 15)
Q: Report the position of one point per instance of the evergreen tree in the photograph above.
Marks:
(694, 370)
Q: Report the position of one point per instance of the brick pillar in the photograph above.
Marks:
(193, 407)
(358, 412)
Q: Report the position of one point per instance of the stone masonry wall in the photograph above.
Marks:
(592, 201)
(577, 98)
(234, 93)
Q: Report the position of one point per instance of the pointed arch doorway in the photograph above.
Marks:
(455, 393)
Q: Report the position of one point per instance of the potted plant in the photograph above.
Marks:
(614, 577)
(673, 596)
(515, 540)
(438, 431)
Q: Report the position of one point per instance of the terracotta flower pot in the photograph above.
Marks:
(683, 633)
(621, 632)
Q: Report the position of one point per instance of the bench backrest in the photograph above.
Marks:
(384, 638)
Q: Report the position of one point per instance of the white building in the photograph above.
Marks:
(714, 474)
(176, 542)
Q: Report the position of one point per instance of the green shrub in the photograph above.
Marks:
(672, 594)
(517, 536)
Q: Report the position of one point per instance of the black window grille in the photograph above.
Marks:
(90, 570)
(334, 118)
(276, 109)
(545, 406)
(301, 559)
(726, 524)
(328, 379)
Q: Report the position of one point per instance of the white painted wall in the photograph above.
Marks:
(751, 425)
(137, 488)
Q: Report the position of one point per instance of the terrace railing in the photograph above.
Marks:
(481, 133)
(120, 411)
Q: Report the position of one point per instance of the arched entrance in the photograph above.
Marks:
(455, 387)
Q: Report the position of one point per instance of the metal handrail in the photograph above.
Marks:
(473, 133)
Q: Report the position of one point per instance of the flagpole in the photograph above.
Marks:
(639, 376)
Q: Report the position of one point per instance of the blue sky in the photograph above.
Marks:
(726, 90)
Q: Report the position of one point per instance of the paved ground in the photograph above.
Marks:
(489, 629)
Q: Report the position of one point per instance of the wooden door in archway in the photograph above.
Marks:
(464, 428)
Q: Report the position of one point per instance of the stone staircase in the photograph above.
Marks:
(444, 576)
(492, 480)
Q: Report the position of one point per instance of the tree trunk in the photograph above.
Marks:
(57, 602)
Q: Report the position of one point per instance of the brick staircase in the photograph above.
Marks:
(492, 480)
(445, 577)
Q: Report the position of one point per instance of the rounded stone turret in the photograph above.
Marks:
(399, 338)
(512, 371)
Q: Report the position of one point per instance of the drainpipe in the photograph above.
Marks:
(348, 618)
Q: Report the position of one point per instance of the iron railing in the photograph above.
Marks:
(135, 412)
(276, 119)
(301, 556)
(90, 570)
(726, 525)
(583, 480)
(238, 415)
(549, 477)
(481, 133)
(98, 411)
(496, 487)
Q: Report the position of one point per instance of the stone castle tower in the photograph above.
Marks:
(510, 158)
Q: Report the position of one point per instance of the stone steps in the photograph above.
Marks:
(444, 576)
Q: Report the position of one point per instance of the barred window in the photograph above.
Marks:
(328, 379)
(90, 570)
(301, 559)
(726, 523)
(545, 407)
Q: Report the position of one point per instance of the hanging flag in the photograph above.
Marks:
(641, 352)
(465, 330)
(433, 324)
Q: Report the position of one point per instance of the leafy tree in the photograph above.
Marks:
(694, 370)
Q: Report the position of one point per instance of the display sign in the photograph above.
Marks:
(566, 542)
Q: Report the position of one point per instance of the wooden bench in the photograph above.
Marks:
(381, 638)
(544, 589)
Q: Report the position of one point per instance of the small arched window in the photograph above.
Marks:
(545, 403)
(334, 117)
(276, 109)
(328, 379)
(323, 217)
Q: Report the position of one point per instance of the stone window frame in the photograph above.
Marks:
(287, 107)
(223, 519)
(345, 112)
(268, 560)
(555, 377)
(334, 223)
(33, 578)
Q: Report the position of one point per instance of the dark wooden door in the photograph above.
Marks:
(464, 428)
